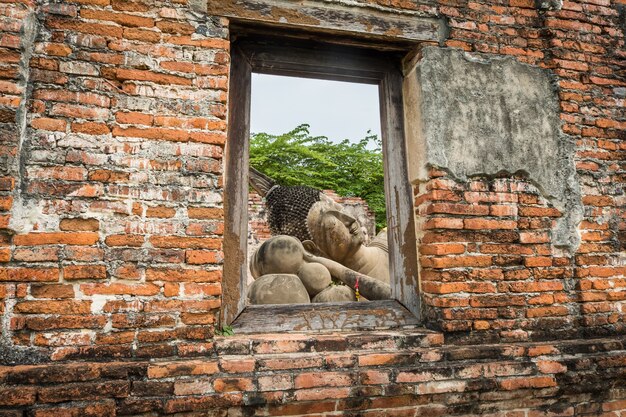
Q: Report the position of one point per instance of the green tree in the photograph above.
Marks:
(350, 169)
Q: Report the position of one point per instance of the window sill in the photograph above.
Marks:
(304, 318)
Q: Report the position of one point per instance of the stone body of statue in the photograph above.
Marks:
(332, 239)
(338, 236)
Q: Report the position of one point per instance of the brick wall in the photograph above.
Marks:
(488, 257)
(113, 121)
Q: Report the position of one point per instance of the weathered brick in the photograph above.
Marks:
(45, 123)
(29, 274)
(184, 368)
(72, 272)
(53, 307)
(35, 239)
(79, 225)
(52, 291)
(17, 396)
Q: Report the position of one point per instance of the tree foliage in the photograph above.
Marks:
(350, 169)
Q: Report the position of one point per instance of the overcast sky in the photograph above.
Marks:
(337, 110)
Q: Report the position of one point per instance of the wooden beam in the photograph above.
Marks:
(302, 59)
(403, 265)
(236, 189)
(337, 17)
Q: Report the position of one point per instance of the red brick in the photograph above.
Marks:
(551, 311)
(77, 111)
(135, 118)
(131, 5)
(443, 223)
(185, 242)
(181, 28)
(63, 95)
(125, 240)
(83, 253)
(7, 183)
(541, 299)
(322, 379)
(41, 254)
(292, 362)
(538, 261)
(233, 384)
(117, 288)
(193, 387)
(239, 365)
(62, 339)
(52, 291)
(91, 128)
(150, 76)
(374, 377)
(5, 255)
(67, 173)
(65, 322)
(528, 382)
(171, 289)
(193, 68)
(205, 212)
(53, 307)
(182, 275)
(534, 237)
(93, 409)
(454, 287)
(200, 257)
(321, 394)
(276, 382)
(105, 175)
(614, 405)
(154, 133)
(6, 202)
(29, 274)
(542, 350)
(551, 367)
(196, 319)
(84, 391)
(57, 49)
(538, 212)
(535, 286)
(598, 201)
(44, 123)
(463, 209)
(475, 224)
(17, 396)
(72, 272)
(184, 368)
(79, 225)
(160, 212)
(120, 18)
(190, 123)
(457, 261)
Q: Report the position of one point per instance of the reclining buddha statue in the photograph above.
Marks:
(317, 239)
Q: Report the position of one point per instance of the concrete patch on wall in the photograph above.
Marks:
(478, 115)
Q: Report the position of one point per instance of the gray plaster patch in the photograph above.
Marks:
(479, 115)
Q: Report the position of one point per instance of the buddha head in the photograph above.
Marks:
(334, 233)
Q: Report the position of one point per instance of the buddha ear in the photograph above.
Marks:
(312, 248)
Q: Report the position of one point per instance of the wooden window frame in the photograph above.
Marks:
(258, 53)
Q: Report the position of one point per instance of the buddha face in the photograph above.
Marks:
(336, 233)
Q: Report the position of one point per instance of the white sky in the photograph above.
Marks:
(337, 110)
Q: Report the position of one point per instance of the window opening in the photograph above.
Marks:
(323, 134)
(329, 62)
